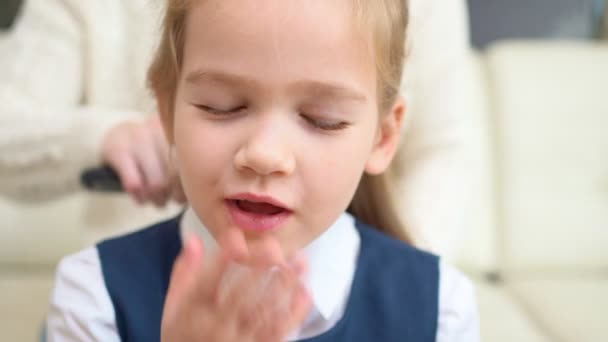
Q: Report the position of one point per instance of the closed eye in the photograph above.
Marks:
(326, 125)
(220, 111)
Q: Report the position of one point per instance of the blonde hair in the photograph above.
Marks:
(387, 20)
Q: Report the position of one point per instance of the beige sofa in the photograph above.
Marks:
(539, 227)
(537, 236)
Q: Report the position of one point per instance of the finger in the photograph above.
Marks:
(233, 242)
(292, 302)
(265, 252)
(257, 310)
(183, 276)
(209, 281)
(242, 294)
(298, 264)
(299, 309)
(259, 299)
(283, 282)
(154, 173)
(273, 309)
(131, 179)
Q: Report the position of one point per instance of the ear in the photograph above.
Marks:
(166, 114)
(387, 140)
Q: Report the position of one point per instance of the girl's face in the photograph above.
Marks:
(276, 116)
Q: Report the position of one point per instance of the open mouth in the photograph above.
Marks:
(261, 208)
(257, 214)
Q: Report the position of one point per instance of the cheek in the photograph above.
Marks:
(200, 150)
(334, 169)
(336, 182)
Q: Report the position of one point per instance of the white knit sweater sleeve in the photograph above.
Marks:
(435, 175)
(47, 132)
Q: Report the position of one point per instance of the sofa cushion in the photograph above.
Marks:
(477, 248)
(550, 125)
(502, 319)
(23, 304)
(571, 309)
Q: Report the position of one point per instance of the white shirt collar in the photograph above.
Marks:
(332, 260)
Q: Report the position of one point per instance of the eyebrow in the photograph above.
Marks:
(198, 76)
(317, 88)
(331, 90)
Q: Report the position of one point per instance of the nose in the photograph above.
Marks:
(266, 151)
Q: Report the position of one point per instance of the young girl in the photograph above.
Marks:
(282, 117)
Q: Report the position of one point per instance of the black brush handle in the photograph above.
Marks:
(101, 179)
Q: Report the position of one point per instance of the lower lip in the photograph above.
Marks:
(253, 222)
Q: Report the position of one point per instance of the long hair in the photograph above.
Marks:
(387, 20)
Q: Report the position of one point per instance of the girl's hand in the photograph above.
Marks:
(139, 153)
(216, 301)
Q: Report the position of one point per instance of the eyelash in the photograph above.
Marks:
(326, 126)
(220, 112)
(319, 124)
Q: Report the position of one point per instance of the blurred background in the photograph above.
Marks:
(536, 239)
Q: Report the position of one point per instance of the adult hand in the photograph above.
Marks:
(139, 153)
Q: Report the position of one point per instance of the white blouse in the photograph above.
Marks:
(81, 308)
